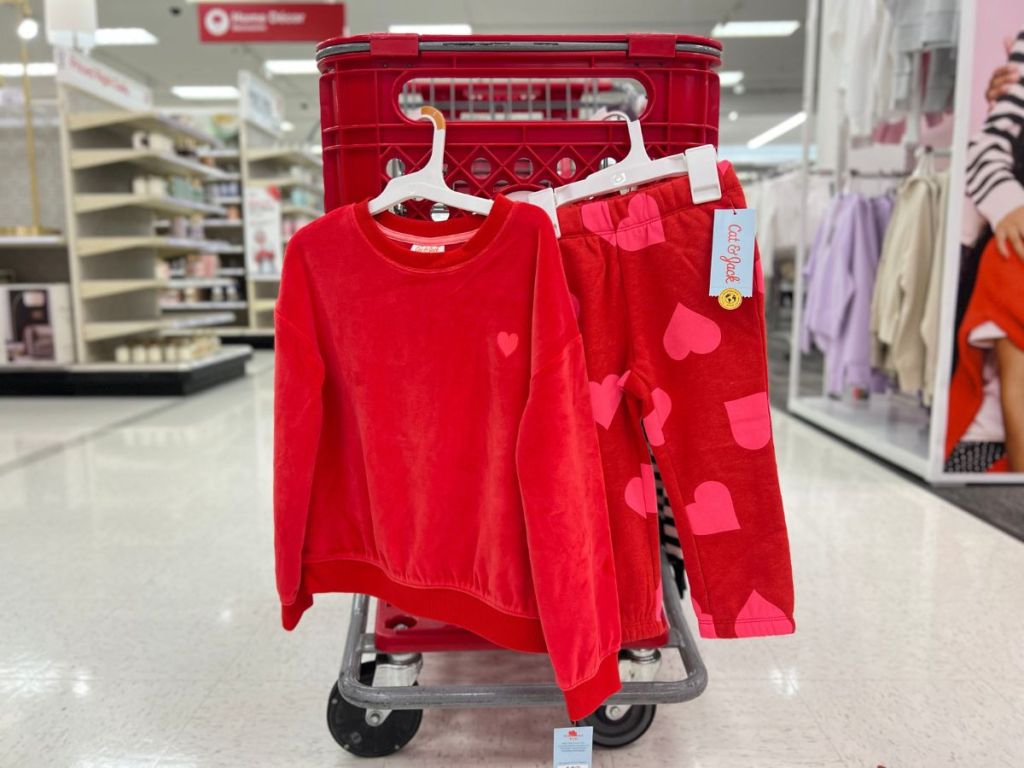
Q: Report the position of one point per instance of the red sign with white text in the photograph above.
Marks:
(270, 22)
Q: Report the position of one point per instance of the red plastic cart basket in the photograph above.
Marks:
(363, 128)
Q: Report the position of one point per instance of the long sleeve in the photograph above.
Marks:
(991, 183)
(563, 493)
(298, 411)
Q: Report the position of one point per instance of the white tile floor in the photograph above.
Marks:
(139, 625)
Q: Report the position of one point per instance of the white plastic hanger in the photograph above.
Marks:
(637, 167)
(428, 182)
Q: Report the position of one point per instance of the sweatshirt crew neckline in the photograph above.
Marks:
(482, 232)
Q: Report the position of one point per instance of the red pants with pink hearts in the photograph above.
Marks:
(665, 360)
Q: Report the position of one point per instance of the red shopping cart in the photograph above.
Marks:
(522, 113)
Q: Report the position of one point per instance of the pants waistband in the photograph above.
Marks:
(670, 196)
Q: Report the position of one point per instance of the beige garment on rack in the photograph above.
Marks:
(933, 301)
(900, 298)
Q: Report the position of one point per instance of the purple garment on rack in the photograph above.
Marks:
(840, 286)
(816, 272)
(851, 363)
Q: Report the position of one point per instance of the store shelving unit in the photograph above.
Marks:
(110, 136)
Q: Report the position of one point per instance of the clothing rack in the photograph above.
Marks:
(896, 429)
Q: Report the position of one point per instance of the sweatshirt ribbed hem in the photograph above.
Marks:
(517, 633)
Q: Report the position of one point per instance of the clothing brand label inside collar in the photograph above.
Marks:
(421, 248)
(574, 747)
(732, 253)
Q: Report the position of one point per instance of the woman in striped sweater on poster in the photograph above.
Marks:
(986, 408)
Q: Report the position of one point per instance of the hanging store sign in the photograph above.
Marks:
(89, 75)
(270, 22)
(260, 103)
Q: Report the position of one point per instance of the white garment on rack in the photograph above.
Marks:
(863, 28)
(777, 201)
(940, 23)
(829, 114)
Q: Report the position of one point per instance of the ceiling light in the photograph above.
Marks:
(430, 29)
(728, 78)
(734, 116)
(287, 125)
(35, 69)
(774, 132)
(125, 36)
(206, 92)
(291, 66)
(755, 29)
(28, 28)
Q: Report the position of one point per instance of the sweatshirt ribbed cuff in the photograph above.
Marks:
(583, 699)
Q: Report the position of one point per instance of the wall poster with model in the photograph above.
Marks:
(985, 429)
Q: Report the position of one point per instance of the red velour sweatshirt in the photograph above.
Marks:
(434, 440)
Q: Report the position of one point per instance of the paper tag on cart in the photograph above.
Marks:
(732, 255)
(574, 747)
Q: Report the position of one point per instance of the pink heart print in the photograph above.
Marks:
(688, 332)
(641, 227)
(641, 496)
(605, 398)
(654, 422)
(750, 421)
(756, 613)
(712, 510)
(507, 342)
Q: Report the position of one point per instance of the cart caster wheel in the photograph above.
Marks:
(349, 728)
(612, 732)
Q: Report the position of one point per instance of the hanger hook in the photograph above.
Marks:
(434, 115)
(617, 113)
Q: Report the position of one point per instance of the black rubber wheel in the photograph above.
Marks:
(627, 729)
(349, 728)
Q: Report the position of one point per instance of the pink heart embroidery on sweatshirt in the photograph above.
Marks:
(760, 617)
(750, 421)
(597, 218)
(640, 494)
(642, 227)
(688, 332)
(705, 621)
(712, 510)
(654, 422)
(605, 398)
(507, 342)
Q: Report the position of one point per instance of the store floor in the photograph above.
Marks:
(140, 626)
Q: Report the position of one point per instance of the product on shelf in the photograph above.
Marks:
(35, 323)
(187, 349)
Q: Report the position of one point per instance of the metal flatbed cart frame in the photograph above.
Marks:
(375, 708)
